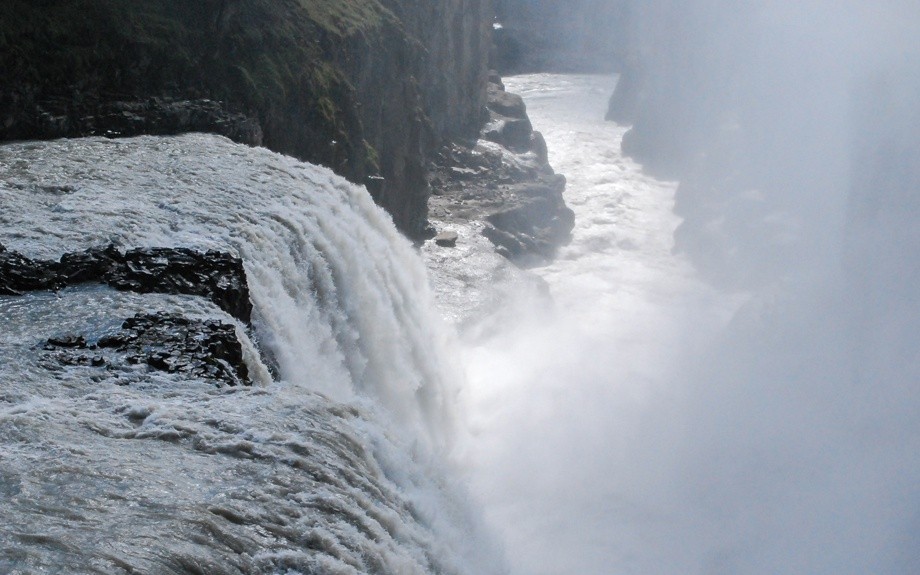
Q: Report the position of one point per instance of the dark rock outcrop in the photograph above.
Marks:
(508, 123)
(112, 117)
(201, 349)
(536, 224)
(216, 275)
(20, 274)
(510, 187)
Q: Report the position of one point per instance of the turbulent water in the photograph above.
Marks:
(569, 392)
(625, 417)
(336, 467)
(617, 414)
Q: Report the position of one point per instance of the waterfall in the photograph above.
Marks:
(334, 466)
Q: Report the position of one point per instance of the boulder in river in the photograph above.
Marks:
(447, 238)
(206, 349)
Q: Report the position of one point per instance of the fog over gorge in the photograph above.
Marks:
(788, 439)
(460, 287)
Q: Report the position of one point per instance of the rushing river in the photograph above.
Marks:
(570, 390)
(617, 414)
(625, 417)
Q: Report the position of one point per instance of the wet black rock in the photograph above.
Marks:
(70, 340)
(206, 349)
(19, 274)
(88, 266)
(216, 275)
(511, 187)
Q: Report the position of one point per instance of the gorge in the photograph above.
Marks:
(683, 341)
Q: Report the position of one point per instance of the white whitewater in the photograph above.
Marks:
(627, 418)
(562, 378)
(570, 396)
(569, 407)
(335, 468)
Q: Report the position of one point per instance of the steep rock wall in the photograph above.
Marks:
(576, 35)
(367, 87)
(443, 60)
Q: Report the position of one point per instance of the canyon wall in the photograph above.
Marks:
(369, 88)
(757, 110)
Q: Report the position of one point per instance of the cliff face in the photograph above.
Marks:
(440, 53)
(752, 108)
(367, 87)
(542, 35)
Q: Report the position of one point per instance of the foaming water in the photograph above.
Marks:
(568, 390)
(571, 401)
(640, 421)
(334, 468)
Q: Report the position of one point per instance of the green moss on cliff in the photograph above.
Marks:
(274, 59)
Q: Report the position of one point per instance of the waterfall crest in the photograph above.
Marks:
(333, 468)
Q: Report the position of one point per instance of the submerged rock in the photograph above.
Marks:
(219, 276)
(202, 349)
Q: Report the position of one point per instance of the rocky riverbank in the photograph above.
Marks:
(505, 180)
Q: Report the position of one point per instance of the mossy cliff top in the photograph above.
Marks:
(313, 74)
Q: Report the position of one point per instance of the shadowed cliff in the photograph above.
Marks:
(366, 87)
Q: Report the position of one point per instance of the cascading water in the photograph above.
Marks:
(334, 468)
(618, 420)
